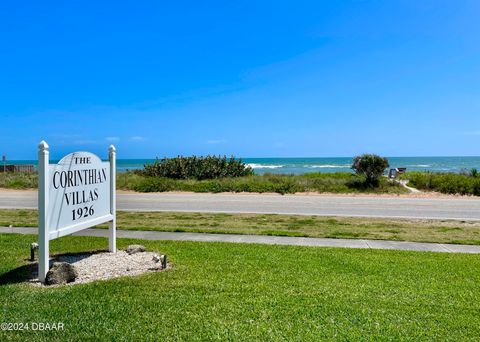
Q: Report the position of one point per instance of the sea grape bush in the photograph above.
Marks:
(371, 167)
(200, 168)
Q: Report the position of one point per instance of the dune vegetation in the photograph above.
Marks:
(283, 184)
(447, 183)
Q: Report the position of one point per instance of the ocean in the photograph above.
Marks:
(305, 165)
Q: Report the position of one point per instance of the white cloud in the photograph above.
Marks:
(137, 138)
(112, 139)
(218, 141)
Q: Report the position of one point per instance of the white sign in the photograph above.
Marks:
(79, 193)
(75, 194)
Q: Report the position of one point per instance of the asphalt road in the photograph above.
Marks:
(322, 205)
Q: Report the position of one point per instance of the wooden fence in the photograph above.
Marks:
(17, 168)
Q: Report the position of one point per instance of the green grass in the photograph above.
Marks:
(283, 184)
(464, 232)
(447, 183)
(18, 180)
(220, 291)
(341, 182)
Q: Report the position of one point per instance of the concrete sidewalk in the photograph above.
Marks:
(269, 240)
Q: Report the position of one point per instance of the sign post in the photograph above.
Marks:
(43, 238)
(112, 227)
(75, 194)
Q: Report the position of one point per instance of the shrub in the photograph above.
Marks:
(279, 183)
(209, 167)
(448, 183)
(152, 184)
(371, 167)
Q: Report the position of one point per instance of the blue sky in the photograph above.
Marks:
(250, 78)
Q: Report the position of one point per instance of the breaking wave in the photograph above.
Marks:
(420, 165)
(262, 166)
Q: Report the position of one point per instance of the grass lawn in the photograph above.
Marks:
(282, 225)
(252, 292)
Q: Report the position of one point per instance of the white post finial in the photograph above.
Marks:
(43, 231)
(43, 146)
(112, 227)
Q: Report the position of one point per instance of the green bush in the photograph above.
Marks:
(341, 182)
(275, 183)
(371, 167)
(153, 184)
(209, 167)
(447, 183)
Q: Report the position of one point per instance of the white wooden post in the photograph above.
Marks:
(112, 233)
(43, 189)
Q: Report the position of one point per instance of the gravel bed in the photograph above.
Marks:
(105, 265)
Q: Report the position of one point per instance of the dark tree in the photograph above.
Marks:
(371, 166)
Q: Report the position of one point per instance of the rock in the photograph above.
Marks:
(156, 268)
(132, 249)
(156, 258)
(163, 259)
(61, 273)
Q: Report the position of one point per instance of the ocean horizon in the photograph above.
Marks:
(296, 165)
